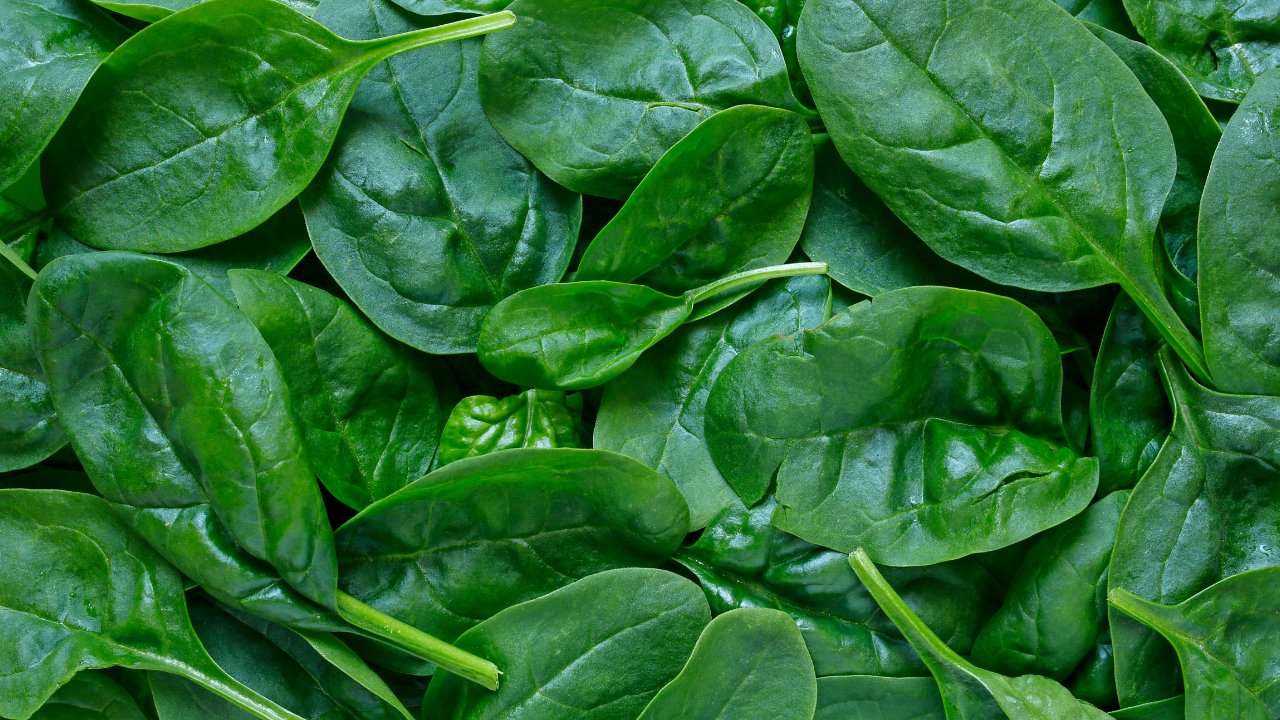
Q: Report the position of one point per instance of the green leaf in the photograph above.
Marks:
(90, 695)
(781, 17)
(197, 445)
(730, 196)
(1204, 511)
(1238, 261)
(154, 10)
(142, 163)
(438, 556)
(925, 426)
(29, 427)
(654, 412)
(1094, 679)
(1051, 615)
(370, 409)
(1108, 14)
(422, 213)
(595, 91)
(843, 697)
(577, 335)
(742, 560)
(482, 424)
(983, 146)
(1127, 405)
(447, 7)
(1171, 709)
(50, 48)
(106, 598)
(608, 642)
(749, 664)
(969, 692)
(1225, 638)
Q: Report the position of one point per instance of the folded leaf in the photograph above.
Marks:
(1171, 709)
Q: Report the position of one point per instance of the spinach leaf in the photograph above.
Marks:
(730, 196)
(144, 163)
(1051, 616)
(198, 446)
(1204, 511)
(1195, 136)
(153, 10)
(969, 692)
(1225, 638)
(29, 427)
(579, 335)
(274, 661)
(842, 697)
(1238, 261)
(781, 17)
(422, 213)
(749, 664)
(975, 149)
(1171, 709)
(437, 556)
(90, 695)
(1128, 408)
(742, 560)
(446, 7)
(607, 642)
(595, 91)
(107, 598)
(1108, 14)
(1094, 679)
(48, 51)
(925, 425)
(654, 412)
(481, 424)
(370, 410)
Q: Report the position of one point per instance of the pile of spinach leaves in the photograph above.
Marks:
(639, 360)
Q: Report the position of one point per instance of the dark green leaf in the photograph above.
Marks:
(854, 697)
(969, 692)
(482, 424)
(730, 196)
(423, 214)
(145, 163)
(48, 51)
(1171, 709)
(595, 91)
(370, 409)
(446, 7)
(1238, 259)
(1050, 618)
(1225, 638)
(29, 427)
(152, 10)
(90, 695)
(781, 16)
(47, 479)
(979, 146)
(749, 664)
(440, 556)
(1109, 14)
(605, 644)
(1094, 679)
(925, 426)
(1206, 510)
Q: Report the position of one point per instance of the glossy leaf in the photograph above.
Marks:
(781, 17)
(48, 51)
(422, 213)
(1050, 618)
(730, 196)
(481, 424)
(90, 696)
(438, 556)
(1206, 510)
(577, 335)
(925, 426)
(595, 91)
(29, 427)
(153, 10)
(976, 151)
(1238, 261)
(742, 560)
(370, 410)
(1128, 408)
(1094, 679)
(107, 598)
(1171, 709)
(607, 643)
(216, 163)
(1108, 14)
(198, 446)
(748, 664)
(969, 692)
(654, 412)
(843, 697)
(1225, 638)
(446, 7)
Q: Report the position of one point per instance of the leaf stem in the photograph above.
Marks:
(383, 48)
(18, 262)
(456, 661)
(1165, 318)
(1135, 607)
(732, 282)
(220, 683)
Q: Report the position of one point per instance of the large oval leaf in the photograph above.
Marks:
(425, 217)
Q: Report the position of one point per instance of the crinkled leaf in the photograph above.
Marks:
(481, 424)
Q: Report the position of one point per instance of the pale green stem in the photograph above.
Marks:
(217, 681)
(18, 262)
(819, 138)
(456, 661)
(751, 277)
(383, 48)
